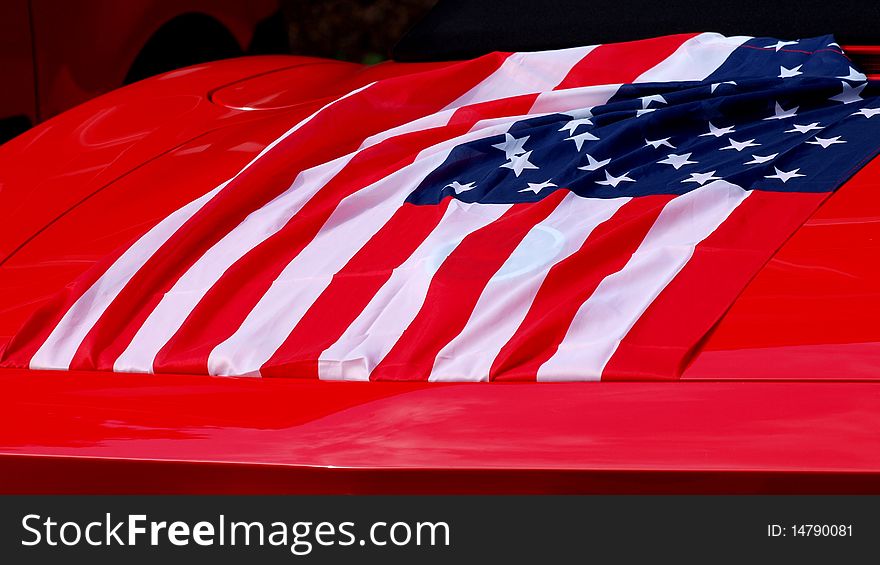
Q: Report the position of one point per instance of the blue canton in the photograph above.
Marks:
(799, 119)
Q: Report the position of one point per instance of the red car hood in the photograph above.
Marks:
(81, 185)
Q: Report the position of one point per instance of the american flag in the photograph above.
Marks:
(573, 214)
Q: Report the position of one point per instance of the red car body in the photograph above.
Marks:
(783, 396)
(54, 55)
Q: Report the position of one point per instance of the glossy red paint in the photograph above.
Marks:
(285, 88)
(64, 187)
(80, 432)
(102, 141)
(812, 312)
(867, 57)
(54, 55)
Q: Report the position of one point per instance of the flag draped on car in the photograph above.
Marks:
(574, 214)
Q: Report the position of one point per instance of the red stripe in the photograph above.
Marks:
(318, 141)
(226, 305)
(351, 290)
(662, 341)
(569, 284)
(39, 325)
(467, 116)
(456, 287)
(619, 63)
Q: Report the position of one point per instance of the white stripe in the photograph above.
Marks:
(438, 119)
(525, 73)
(61, 345)
(580, 98)
(508, 296)
(520, 73)
(696, 59)
(59, 348)
(378, 327)
(622, 297)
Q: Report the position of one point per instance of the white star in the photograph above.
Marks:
(717, 132)
(459, 188)
(537, 187)
(785, 72)
(519, 162)
(780, 114)
(797, 128)
(646, 100)
(580, 113)
(702, 178)
(593, 164)
(833, 44)
(850, 94)
(826, 142)
(855, 76)
(867, 112)
(511, 145)
(657, 143)
(644, 111)
(739, 145)
(580, 138)
(784, 176)
(677, 161)
(572, 125)
(780, 44)
(611, 180)
(715, 85)
(758, 159)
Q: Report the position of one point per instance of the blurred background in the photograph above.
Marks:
(55, 54)
(362, 31)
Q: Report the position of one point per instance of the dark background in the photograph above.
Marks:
(362, 31)
(55, 54)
